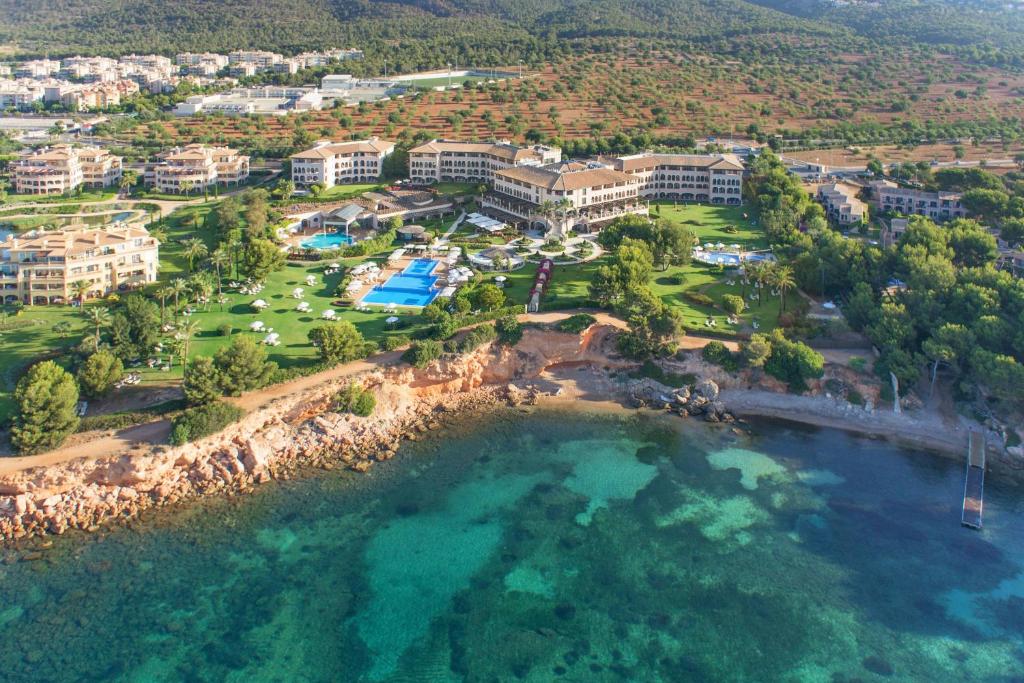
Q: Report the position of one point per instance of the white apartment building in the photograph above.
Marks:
(841, 203)
(78, 96)
(195, 168)
(206, 64)
(339, 163)
(37, 68)
(450, 160)
(21, 94)
(42, 267)
(563, 196)
(61, 169)
(313, 59)
(940, 206)
(714, 178)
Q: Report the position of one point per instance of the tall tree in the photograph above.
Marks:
(99, 317)
(46, 398)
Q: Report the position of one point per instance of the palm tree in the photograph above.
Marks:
(185, 186)
(62, 329)
(564, 207)
(163, 293)
(194, 248)
(202, 288)
(188, 330)
(178, 287)
(232, 242)
(128, 180)
(546, 209)
(783, 280)
(98, 317)
(159, 234)
(218, 259)
(80, 288)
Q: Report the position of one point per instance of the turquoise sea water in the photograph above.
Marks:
(549, 547)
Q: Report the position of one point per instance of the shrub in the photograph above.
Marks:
(676, 279)
(199, 421)
(793, 362)
(356, 400)
(858, 364)
(224, 330)
(99, 373)
(46, 397)
(715, 352)
(575, 324)
(423, 353)
(733, 304)
(444, 328)
(699, 298)
(243, 366)
(201, 381)
(509, 330)
(393, 341)
(338, 342)
(477, 337)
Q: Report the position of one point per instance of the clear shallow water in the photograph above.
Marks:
(549, 547)
(331, 240)
(414, 286)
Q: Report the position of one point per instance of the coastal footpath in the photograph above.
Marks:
(299, 427)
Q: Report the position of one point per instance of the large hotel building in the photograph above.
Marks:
(563, 196)
(451, 161)
(940, 206)
(42, 267)
(714, 178)
(198, 167)
(339, 163)
(64, 168)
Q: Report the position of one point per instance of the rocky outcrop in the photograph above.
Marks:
(700, 400)
(300, 430)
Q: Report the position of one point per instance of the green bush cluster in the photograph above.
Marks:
(356, 400)
(203, 420)
(422, 353)
(575, 324)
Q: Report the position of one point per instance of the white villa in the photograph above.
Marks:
(64, 168)
(339, 163)
(197, 167)
(715, 178)
(449, 160)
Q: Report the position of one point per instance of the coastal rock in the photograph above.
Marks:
(707, 389)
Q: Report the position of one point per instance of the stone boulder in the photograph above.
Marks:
(707, 389)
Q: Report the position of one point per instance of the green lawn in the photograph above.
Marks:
(708, 223)
(30, 337)
(456, 188)
(90, 196)
(339, 192)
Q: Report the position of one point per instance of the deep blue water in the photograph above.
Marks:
(549, 546)
(331, 240)
(414, 286)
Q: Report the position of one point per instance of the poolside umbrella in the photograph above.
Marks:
(335, 265)
(298, 292)
(259, 304)
(500, 280)
(328, 314)
(256, 325)
(271, 338)
(311, 280)
(392, 320)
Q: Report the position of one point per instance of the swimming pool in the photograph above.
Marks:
(414, 286)
(331, 240)
(729, 258)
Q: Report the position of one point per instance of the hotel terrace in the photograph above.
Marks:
(43, 267)
(585, 196)
(198, 167)
(339, 163)
(448, 160)
(938, 206)
(690, 177)
(64, 168)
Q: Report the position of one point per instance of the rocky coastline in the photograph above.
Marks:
(303, 430)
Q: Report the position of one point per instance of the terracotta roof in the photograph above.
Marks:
(199, 152)
(72, 242)
(639, 161)
(501, 150)
(567, 175)
(335, 148)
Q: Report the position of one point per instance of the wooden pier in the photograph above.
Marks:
(974, 481)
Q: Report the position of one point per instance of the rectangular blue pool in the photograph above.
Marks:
(414, 286)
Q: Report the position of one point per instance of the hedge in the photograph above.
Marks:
(209, 418)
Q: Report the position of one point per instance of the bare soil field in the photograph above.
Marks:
(662, 94)
(942, 153)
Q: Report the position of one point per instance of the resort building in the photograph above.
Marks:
(940, 206)
(562, 196)
(449, 160)
(64, 168)
(340, 163)
(198, 167)
(893, 231)
(841, 203)
(44, 267)
(714, 178)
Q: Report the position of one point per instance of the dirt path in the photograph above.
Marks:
(157, 432)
